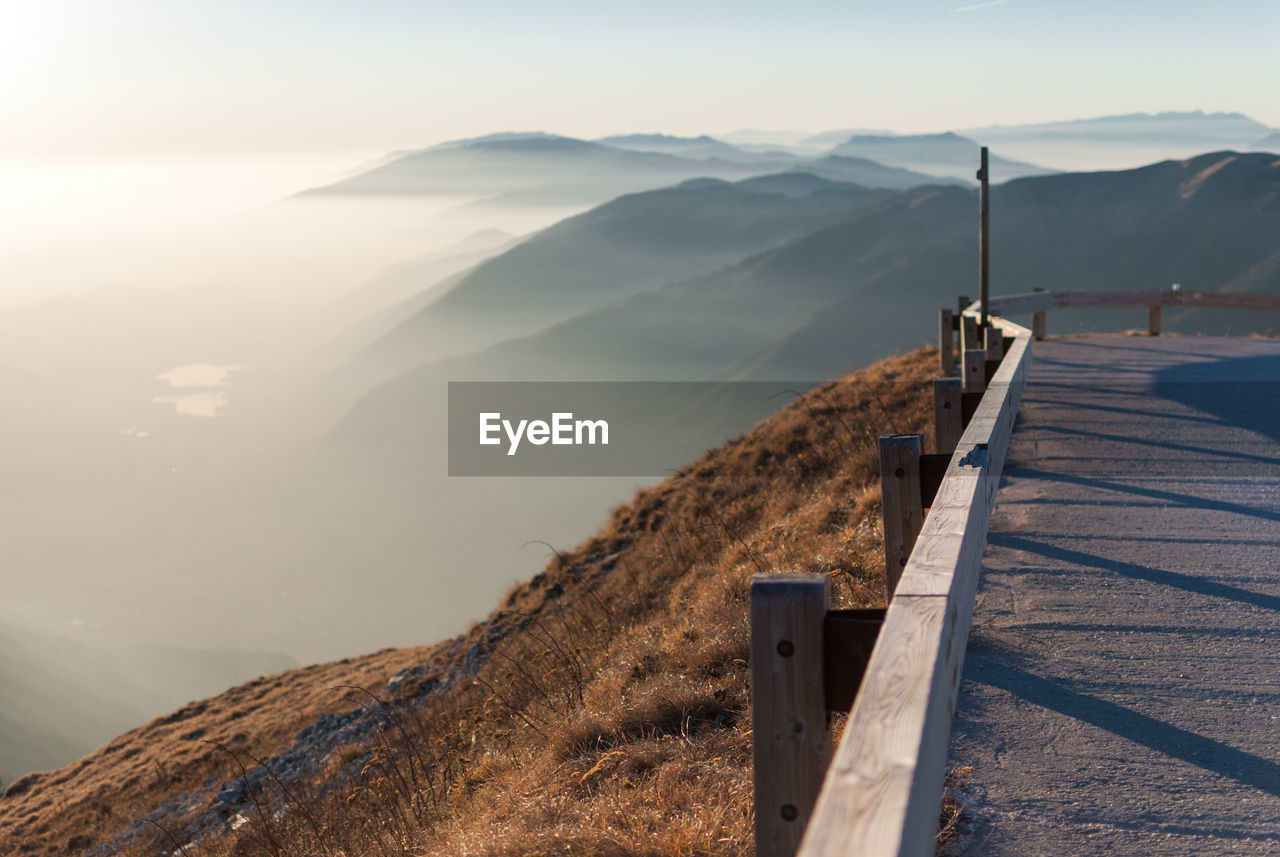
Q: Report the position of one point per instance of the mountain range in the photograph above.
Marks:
(1127, 140)
(864, 279)
(946, 155)
(1270, 143)
(809, 305)
(544, 169)
(635, 243)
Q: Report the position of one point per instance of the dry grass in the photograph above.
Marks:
(602, 710)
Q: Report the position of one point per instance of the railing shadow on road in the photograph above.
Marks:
(1191, 501)
(1191, 629)
(1190, 747)
(1241, 391)
(1195, 584)
(1147, 442)
(1085, 404)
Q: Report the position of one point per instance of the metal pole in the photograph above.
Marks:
(984, 248)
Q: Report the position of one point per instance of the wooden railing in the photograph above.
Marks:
(1038, 303)
(880, 795)
(899, 668)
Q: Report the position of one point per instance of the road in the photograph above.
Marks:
(1121, 689)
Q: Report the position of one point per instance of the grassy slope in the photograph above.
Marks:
(603, 709)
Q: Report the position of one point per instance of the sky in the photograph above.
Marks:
(88, 78)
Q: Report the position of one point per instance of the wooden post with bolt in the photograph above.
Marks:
(901, 504)
(968, 333)
(994, 342)
(788, 705)
(948, 418)
(975, 371)
(1039, 321)
(946, 342)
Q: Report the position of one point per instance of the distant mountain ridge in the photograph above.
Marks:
(946, 154)
(1270, 143)
(534, 169)
(702, 146)
(1194, 125)
(1109, 142)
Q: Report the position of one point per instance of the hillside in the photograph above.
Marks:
(602, 709)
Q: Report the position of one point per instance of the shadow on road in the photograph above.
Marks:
(1190, 747)
(1177, 580)
(1241, 391)
(1190, 501)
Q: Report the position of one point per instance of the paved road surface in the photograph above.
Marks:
(1121, 690)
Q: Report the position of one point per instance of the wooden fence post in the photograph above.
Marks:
(1039, 321)
(968, 333)
(975, 371)
(791, 743)
(962, 304)
(900, 501)
(1154, 318)
(946, 342)
(994, 341)
(948, 418)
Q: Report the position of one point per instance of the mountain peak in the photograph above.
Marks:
(942, 138)
(512, 139)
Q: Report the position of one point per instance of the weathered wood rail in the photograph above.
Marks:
(1039, 303)
(882, 790)
(881, 793)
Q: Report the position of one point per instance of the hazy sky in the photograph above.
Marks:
(84, 77)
